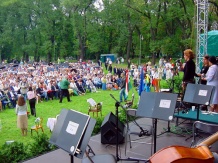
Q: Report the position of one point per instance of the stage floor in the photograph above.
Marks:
(139, 150)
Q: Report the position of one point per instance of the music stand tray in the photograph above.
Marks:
(72, 132)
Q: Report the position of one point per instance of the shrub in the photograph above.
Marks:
(97, 127)
(40, 145)
(14, 152)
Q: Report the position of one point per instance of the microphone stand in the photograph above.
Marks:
(117, 104)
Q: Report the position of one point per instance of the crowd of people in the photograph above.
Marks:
(44, 82)
(38, 82)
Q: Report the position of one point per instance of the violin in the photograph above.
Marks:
(180, 154)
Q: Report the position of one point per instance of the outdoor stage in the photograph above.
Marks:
(138, 150)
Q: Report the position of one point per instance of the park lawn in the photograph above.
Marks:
(52, 108)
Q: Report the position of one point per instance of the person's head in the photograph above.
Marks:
(21, 100)
(188, 54)
(24, 79)
(122, 75)
(30, 89)
(212, 60)
(205, 60)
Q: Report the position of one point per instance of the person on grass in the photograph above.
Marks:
(64, 85)
(21, 112)
(31, 96)
(122, 88)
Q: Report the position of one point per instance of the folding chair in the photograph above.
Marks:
(204, 127)
(38, 125)
(130, 103)
(94, 107)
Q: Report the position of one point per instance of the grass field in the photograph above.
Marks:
(52, 108)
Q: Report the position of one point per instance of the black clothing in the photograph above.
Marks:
(110, 68)
(106, 65)
(32, 103)
(189, 71)
(66, 93)
(123, 83)
(115, 70)
(204, 70)
(80, 88)
(39, 91)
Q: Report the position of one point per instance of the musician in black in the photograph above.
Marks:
(202, 74)
(204, 70)
(189, 69)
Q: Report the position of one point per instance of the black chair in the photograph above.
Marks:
(101, 158)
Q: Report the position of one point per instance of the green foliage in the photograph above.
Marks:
(175, 82)
(14, 152)
(40, 145)
(97, 127)
(66, 28)
(122, 116)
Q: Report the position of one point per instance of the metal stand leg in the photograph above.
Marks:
(169, 131)
(117, 104)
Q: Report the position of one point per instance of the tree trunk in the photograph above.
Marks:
(82, 47)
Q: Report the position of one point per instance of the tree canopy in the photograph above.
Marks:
(46, 30)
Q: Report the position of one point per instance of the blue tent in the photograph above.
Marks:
(104, 57)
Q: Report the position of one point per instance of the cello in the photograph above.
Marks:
(180, 154)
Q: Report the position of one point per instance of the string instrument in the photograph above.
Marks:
(180, 154)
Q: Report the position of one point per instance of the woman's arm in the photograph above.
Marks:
(210, 73)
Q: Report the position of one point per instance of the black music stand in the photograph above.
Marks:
(157, 105)
(198, 94)
(72, 132)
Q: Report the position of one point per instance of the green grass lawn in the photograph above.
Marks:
(52, 108)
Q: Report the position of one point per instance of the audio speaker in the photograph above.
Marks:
(109, 132)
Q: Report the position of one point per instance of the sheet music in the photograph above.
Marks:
(165, 104)
(72, 127)
(202, 93)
